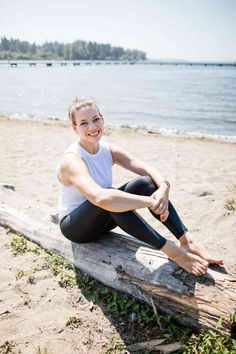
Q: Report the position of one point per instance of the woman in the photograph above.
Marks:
(90, 206)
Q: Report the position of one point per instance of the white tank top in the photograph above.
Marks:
(100, 168)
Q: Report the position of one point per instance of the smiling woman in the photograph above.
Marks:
(89, 206)
(87, 121)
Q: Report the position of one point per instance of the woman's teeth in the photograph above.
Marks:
(95, 134)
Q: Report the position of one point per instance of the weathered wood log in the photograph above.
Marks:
(155, 344)
(122, 262)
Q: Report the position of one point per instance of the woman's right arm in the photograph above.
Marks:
(74, 169)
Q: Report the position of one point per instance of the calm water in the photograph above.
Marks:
(170, 99)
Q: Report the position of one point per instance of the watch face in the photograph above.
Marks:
(166, 182)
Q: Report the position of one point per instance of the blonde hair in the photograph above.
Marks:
(78, 103)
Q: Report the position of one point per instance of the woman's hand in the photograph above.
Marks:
(161, 199)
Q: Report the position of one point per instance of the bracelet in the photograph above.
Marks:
(166, 182)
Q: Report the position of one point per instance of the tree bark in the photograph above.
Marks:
(126, 264)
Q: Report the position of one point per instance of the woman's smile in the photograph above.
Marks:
(94, 134)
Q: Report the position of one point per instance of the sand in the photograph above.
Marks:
(202, 174)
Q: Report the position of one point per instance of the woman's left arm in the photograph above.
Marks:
(130, 162)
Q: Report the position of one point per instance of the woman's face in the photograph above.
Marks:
(89, 124)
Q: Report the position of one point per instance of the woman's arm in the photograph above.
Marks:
(74, 169)
(130, 162)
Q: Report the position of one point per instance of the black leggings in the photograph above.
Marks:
(87, 222)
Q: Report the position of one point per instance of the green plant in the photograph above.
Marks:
(31, 279)
(41, 351)
(7, 347)
(20, 274)
(73, 321)
(230, 204)
(37, 250)
(212, 341)
(18, 245)
(114, 347)
(8, 230)
(26, 299)
(234, 186)
(67, 281)
(57, 263)
(233, 324)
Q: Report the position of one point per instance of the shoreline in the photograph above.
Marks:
(127, 129)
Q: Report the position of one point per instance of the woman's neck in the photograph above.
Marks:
(90, 148)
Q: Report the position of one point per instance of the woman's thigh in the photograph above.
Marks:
(141, 185)
(85, 223)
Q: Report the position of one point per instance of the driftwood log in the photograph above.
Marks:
(122, 262)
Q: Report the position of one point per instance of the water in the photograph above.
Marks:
(194, 100)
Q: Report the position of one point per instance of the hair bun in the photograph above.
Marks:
(80, 99)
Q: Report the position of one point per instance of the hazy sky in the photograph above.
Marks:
(182, 29)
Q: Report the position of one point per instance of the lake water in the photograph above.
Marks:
(194, 100)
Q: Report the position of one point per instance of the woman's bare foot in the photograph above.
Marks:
(191, 246)
(188, 261)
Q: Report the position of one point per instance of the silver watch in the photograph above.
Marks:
(166, 182)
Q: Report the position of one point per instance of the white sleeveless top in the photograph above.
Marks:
(100, 168)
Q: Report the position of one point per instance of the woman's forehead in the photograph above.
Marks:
(86, 112)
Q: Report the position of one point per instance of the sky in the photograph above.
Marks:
(194, 30)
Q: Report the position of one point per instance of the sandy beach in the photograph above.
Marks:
(202, 174)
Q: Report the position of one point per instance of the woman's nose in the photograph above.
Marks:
(92, 126)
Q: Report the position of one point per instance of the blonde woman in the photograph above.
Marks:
(89, 206)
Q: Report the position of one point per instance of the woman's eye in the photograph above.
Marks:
(83, 123)
(96, 119)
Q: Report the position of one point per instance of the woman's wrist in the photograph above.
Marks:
(164, 189)
(165, 183)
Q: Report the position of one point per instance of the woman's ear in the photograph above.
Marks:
(74, 126)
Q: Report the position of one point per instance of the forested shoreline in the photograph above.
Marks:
(77, 50)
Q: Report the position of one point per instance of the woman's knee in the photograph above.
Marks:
(143, 185)
(149, 183)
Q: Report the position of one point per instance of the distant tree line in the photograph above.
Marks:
(78, 50)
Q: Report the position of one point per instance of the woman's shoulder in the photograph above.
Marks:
(73, 147)
(105, 145)
(66, 164)
(114, 147)
(72, 152)
(114, 150)
(105, 150)
(109, 145)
